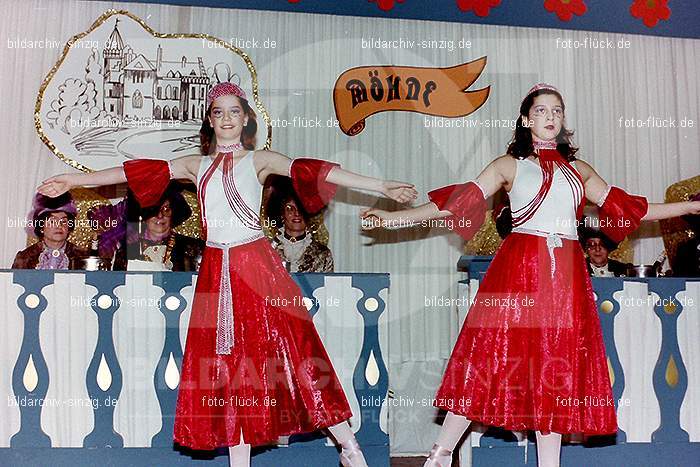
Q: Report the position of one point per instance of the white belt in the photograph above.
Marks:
(224, 318)
(553, 241)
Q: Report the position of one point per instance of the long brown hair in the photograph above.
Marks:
(206, 132)
(521, 146)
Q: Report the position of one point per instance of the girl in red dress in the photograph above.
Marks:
(530, 355)
(254, 367)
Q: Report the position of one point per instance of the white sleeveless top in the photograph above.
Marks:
(223, 224)
(557, 213)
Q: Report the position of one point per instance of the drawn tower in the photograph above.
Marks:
(113, 86)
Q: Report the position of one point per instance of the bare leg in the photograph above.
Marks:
(239, 455)
(351, 454)
(548, 449)
(453, 429)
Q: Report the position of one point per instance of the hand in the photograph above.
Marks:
(398, 191)
(693, 208)
(372, 218)
(56, 186)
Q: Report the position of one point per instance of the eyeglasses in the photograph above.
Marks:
(290, 208)
(165, 211)
(593, 245)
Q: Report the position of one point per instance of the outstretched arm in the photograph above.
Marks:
(59, 184)
(271, 162)
(666, 210)
(180, 168)
(497, 174)
(372, 218)
(597, 189)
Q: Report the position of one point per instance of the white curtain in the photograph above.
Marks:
(652, 77)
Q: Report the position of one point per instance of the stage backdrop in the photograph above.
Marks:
(620, 91)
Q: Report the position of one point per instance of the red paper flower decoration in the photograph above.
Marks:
(565, 9)
(480, 7)
(650, 11)
(386, 5)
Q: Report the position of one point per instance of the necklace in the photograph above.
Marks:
(229, 147)
(544, 144)
(55, 252)
(294, 239)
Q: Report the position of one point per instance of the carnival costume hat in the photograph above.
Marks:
(585, 233)
(281, 190)
(43, 205)
(178, 205)
(124, 215)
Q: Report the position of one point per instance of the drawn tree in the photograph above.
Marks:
(70, 105)
(93, 77)
(75, 109)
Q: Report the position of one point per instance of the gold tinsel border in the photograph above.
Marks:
(98, 22)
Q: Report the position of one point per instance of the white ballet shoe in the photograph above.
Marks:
(439, 457)
(351, 454)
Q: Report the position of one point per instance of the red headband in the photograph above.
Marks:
(224, 89)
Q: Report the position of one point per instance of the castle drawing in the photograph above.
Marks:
(135, 87)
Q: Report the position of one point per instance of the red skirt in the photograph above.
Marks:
(530, 355)
(278, 379)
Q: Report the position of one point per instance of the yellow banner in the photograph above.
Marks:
(368, 90)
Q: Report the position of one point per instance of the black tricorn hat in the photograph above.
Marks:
(281, 191)
(178, 205)
(44, 205)
(585, 233)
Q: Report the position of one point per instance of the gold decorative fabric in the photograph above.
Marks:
(192, 226)
(486, 240)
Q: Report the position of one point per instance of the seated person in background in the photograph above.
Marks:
(53, 220)
(158, 242)
(297, 248)
(597, 247)
(686, 262)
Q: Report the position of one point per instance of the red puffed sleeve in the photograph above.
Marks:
(148, 179)
(621, 213)
(467, 204)
(309, 182)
